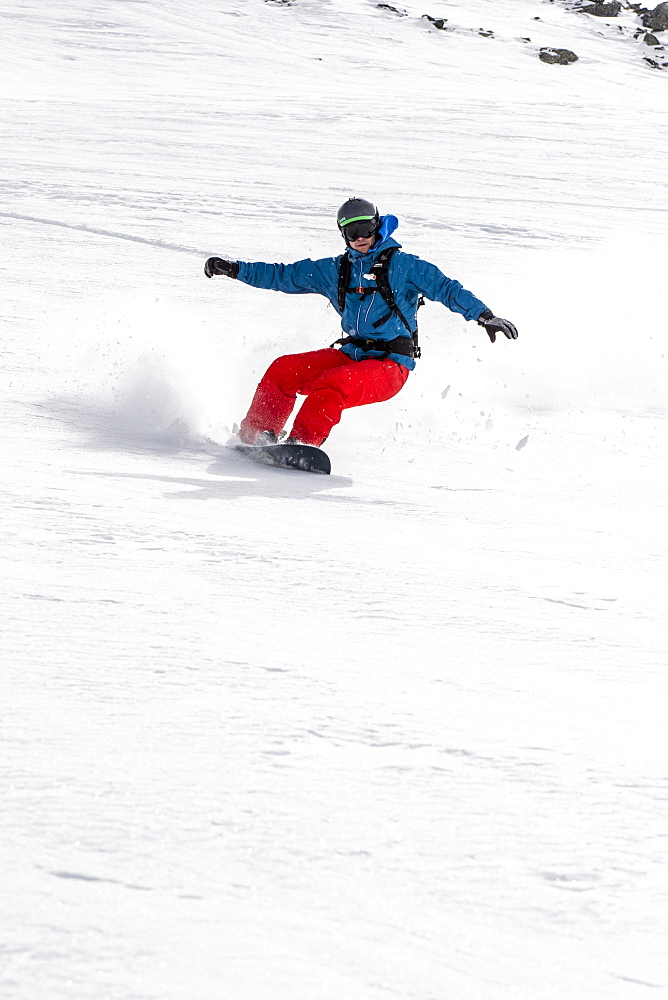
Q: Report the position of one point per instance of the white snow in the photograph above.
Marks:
(399, 732)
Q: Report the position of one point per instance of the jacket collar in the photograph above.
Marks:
(383, 245)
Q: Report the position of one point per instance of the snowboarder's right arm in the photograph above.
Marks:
(300, 278)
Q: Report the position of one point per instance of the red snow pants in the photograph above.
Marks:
(331, 382)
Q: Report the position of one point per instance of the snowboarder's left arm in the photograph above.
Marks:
(435, 285)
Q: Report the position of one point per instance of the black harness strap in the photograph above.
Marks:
(400, 345)
(381, 271)
(345, 270)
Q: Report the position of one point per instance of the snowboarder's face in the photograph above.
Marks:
(361, 234)
(363, 244)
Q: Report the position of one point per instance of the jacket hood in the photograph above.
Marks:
(388, 224)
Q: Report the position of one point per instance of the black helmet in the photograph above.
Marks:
(357, 218)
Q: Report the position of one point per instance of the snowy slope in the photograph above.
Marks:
(399, 732)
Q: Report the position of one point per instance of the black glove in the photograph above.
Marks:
(494, 324)
(216, 265)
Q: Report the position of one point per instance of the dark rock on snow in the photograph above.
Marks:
(650, 39)
(387, 6)
(559, 56)
(657, 19)
(438, 22)
(602, 9)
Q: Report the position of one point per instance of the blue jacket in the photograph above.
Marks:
(409, 277)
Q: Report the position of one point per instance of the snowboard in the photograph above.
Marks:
(288, 456)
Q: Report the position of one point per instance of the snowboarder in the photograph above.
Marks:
(376, 288)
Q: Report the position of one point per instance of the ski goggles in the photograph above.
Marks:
(360, 229)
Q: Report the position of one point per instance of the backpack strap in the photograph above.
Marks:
(345, 270)
(381, 271)
(400, 345)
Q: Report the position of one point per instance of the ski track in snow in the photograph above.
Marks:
(397, 732)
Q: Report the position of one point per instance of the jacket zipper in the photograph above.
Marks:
(359, 307)
(361, 304)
